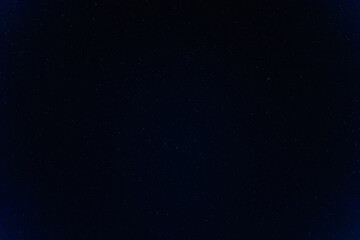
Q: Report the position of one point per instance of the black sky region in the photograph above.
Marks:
(179, 120)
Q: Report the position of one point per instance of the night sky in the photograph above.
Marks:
(179, 120)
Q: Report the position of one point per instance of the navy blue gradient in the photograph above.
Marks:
(179, 120)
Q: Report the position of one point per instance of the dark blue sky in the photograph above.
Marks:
(179, 120)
